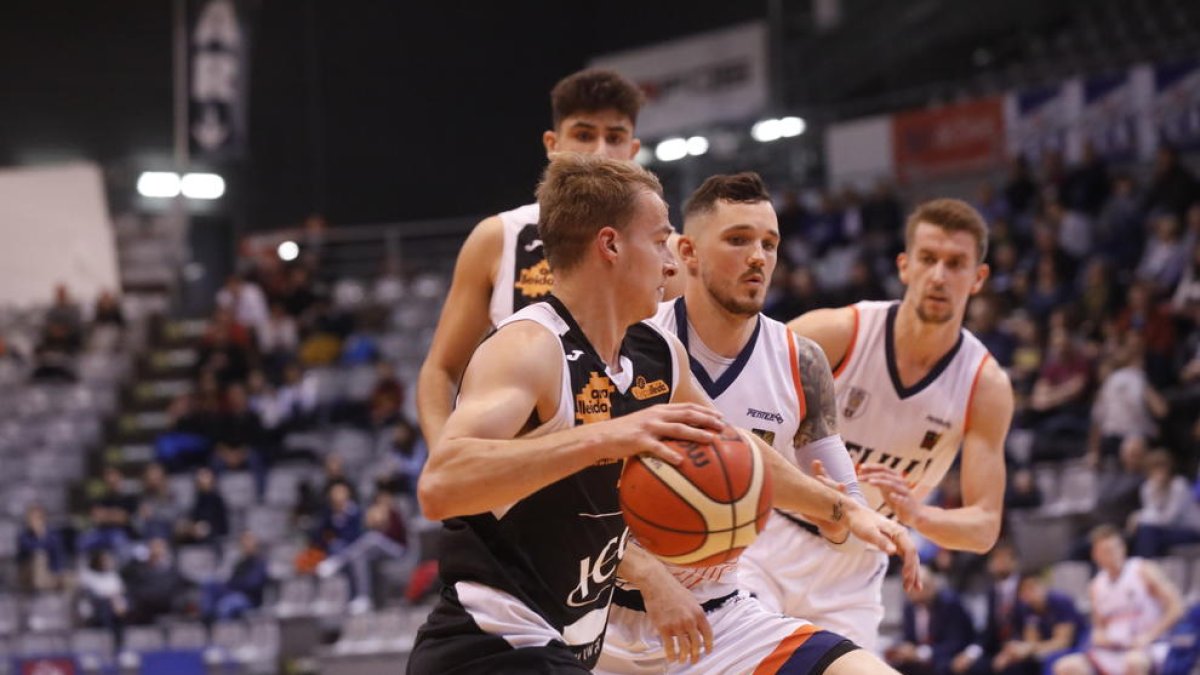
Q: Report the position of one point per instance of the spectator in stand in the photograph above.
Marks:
(1026, 360)
(41, 557)
(158, 512)
(156, 588)
(1097, 298)
(1050, 627)
(104, 534)
(243, 590)
(1003, 613)
(1020, 192)
(104, 601)
(936, 629)
(300, 294)
(1152, 321)
(121, 507)
(989, 204)
(1046, 246)
(983, 320)
(1186, 298)
(225, 350)
(1126, 405)
(1022, 491)
(239, 438)
(1173, 187)
(1004, 271)
(245, 300)
(1166, 255)
(385, 537)
(1074, 231)
(1086, 186)
(278, 339)
(1058, 402)
(1169, 515)
(108, 311)
(1119, 233)
(61, 340)
(1049, 291)
(208, 519)
(863, 285)
(387, 398)
(1133, 605)
(803, 294)
(340, 523)
(403, 464)
(9, 354)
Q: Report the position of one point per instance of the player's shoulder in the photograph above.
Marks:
(526, 214)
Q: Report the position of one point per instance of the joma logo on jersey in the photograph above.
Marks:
(763, 415)
(535, 281)
(592, 403)
(856, 401)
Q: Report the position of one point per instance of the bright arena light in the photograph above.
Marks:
(791, 126)
(158, 184)
(202, 186)
(671, 149)
(697, 145)
(288, 251)
(644, 156)
(766, 131)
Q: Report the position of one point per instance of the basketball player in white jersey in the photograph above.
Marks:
(502, 267)
(1134, 605)
(763, 378)
(912, 386)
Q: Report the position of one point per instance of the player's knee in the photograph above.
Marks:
(1137, 663)
(857, 662)
(1071, 665)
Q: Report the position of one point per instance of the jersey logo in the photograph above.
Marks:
(643, 390)
(575, 354)
(767, 436)
(535, 281)
(931, 439)
(592, 403)
(763, 415)
(533, 246)
(856, 401)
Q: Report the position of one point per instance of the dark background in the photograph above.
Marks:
(364, 111)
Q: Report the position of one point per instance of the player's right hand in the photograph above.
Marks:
(680, 621)
(645, 430)
(888, 536)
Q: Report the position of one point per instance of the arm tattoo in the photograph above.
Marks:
(838, 512)
(820, 401)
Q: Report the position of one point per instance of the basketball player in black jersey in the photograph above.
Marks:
(525, 472)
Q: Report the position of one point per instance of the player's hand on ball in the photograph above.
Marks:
(680, 621)
(895, 490)
(644, 431)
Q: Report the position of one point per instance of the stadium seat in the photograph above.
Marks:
(296, 597)
(95, 642)
(198, 563)
(49, 612)
(268, 523)
(31, 644)
(1072, 578)
(187, 635)
(10, 615)
(237, 487)
(333, 595)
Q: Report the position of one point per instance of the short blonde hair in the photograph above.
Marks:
(581, 194)
(951, 215)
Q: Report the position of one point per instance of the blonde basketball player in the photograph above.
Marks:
(762, 378)
(912, 386)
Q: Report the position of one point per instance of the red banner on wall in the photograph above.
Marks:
(961, 137)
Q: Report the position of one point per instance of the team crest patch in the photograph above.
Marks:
(856, 400)
(593, 403)
(767, 436)
(643, 390)
(535, 281)
(931, 440)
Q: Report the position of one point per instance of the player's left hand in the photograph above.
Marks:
(680, 621)
(895, 490)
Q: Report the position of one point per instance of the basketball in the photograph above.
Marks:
(704, 511)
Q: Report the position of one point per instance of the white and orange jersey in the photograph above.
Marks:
(759, 389)
(916, 430)
(523, 276)
(1124, 605)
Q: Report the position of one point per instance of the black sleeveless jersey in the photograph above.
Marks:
(557, 550)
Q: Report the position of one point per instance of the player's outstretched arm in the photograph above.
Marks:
(976, 525)
(463, 323)
(478, 464)
(835, 330)
(672, 609)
